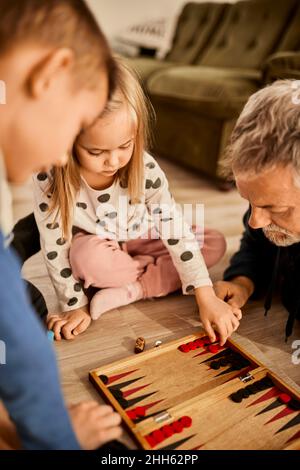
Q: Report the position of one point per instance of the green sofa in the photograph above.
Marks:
(285, 63)
(221, 54)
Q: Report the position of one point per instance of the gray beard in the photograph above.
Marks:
(281, 237)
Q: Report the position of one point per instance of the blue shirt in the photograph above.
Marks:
(29, 383)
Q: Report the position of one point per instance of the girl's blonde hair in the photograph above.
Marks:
(65, 182)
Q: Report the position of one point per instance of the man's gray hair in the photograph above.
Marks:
(267, 133)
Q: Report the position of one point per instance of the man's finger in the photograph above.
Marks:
(221, 291)
(234, 302)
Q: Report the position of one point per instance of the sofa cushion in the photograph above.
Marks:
(215, 92)
(146, 66)
(282, 65)
(195, 27)
(291, 38)
(249, 33)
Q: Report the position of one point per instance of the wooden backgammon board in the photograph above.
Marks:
(190, 394)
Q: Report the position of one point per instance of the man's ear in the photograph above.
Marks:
(48, 70)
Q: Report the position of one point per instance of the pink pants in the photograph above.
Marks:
(103, 263)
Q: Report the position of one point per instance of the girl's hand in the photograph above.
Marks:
(217, 314)
(69, 324)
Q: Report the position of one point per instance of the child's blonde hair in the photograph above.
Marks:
(65, 183)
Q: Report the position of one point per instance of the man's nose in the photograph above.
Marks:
(259, 218)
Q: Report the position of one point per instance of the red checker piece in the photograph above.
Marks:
(167, 431)
(199, 343)
(184, 348)
(158, 436)
(177, 426)
(192, 345)
(140, 411)
(284, 398)
(214, 348)
(151, 441)
(186, 421)
(131, 414)
(205, 340)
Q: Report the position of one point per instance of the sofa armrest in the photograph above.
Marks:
(282, 65)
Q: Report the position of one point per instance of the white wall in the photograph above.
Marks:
(115, 15)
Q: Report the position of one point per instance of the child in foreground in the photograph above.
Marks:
(57, 70)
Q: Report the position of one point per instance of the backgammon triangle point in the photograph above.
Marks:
(151, 415)
(281, 414)
(293, 422)
(272, 393)
(198, 447)
(238, 374)
(153, 403)
(114, 378)
(232, 369)
(275, 404)
(127, 383)
(136, 400)
(135, 390)
(295, 436)
(177, 444)
(202, 353)
(214, 357)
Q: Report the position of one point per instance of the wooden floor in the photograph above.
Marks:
(113, 335)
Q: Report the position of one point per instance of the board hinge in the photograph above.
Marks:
(165, 416)
(246, 378)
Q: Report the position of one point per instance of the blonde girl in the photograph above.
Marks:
(111, 231)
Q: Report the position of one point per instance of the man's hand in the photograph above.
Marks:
(216, 314)
(235, 292)
(69, 324)
(94, 424)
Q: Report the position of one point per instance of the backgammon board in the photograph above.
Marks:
(190, 394)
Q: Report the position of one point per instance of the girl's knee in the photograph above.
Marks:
(88, 254)
(101, 263)
(81, 249)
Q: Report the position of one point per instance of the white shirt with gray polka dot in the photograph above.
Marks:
(110, 214)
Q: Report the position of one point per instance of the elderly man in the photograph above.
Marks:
(264, 158)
